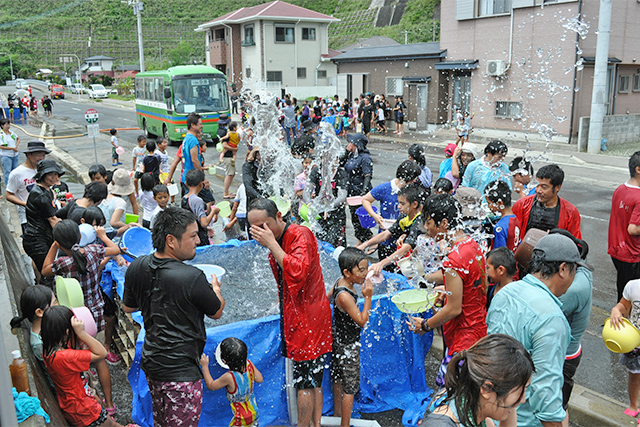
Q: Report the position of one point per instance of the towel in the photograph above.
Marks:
(27, 405)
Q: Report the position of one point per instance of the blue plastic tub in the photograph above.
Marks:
(138, 242)
(365, 219)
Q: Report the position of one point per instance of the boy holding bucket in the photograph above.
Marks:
(192, 202)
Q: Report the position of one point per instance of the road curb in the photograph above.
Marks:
(71, 164)
(587, 407)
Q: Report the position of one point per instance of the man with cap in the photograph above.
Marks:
(304, 144)
(41, 215)
(21, 179)
(529, 310)
(359, 167)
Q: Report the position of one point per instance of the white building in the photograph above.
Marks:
(284, 45)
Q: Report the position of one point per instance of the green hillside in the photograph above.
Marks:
(36, 32)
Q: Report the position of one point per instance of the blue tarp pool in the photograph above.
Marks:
(392, 357)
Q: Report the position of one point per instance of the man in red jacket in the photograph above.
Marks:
(305, 320)
(545, 210)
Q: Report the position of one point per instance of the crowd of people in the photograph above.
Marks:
(511, 313)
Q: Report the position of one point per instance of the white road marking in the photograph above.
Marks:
(70, 102)
(594, 218)
(74, 108)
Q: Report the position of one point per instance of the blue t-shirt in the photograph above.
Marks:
(507, 232)
(388, 204)
(445, 166)
(426, 177)
(189, 142)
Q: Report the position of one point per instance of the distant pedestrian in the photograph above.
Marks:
(399, 115)
(114, 147)
(47, 104)
(8, 149)
(234, 103)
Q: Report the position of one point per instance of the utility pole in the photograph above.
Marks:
(10, 64)
(599, 95)
(137, 10)
(405, 36)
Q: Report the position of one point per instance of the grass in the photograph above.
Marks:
(122, 97)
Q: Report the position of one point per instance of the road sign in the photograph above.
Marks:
(91, 116)
(93, 130)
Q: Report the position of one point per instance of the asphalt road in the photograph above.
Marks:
(589, 187)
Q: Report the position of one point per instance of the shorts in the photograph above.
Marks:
(568, 371)
(176, 403)
(380, 123)
(114, 154)
(345, 366)
(631, 361)
(229, 166)
(308, 373)
(400, 119)
(102, 418)
(109, 309)
(442, 370)
(137, 175)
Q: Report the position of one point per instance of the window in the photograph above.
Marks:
(322, 74)
(308, 34)
(247, 73)
(508, 110)
(394, 86)
(284, 34)
(218, 35)
(624, 83)
(302, 73)
(274, 76)
(248, 36)
(636, 82)
(493, 7)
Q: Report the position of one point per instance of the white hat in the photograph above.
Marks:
(87, 234)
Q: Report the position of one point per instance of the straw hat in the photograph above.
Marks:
(121, 183)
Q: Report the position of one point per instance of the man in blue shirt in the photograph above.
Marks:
(529, 310)
(191, 148)
(491, 167)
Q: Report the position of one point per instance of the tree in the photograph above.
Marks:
(180, 54)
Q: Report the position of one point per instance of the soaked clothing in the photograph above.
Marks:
(176, 404)
(174, 298)
(345, 360)
(334, 226)
(409, 226)
(305, 311)
(196, 205)
(38, 234)
(308, 374)
(568, 218)
(242, 400)
(529, 312)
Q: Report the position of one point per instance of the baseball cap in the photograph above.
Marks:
(559, 248)
(449, 149)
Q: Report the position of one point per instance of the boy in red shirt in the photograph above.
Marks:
(463, 274)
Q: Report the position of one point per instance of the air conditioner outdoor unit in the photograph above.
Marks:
(496, 67)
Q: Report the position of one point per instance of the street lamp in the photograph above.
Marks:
(64, 58)
(10, 64)
(137, 10)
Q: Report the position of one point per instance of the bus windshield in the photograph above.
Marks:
(200, 94)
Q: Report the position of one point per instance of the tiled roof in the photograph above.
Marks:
(399, 51)
(275, 9)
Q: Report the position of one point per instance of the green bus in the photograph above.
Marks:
(164, 99)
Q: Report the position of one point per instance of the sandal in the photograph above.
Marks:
(631, 413)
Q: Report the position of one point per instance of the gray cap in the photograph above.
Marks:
(559, 248)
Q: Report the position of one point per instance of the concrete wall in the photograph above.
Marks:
(618, 129)
(304, 92)
(542, 53)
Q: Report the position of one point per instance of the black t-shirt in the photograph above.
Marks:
(543, 218)
(67, 210)
(173, 308)
(412, 232)
(367, 111)
(40, 207)
(151, 164)
(61, 190)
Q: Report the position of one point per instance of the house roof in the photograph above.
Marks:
(97, 58)
(332, 54)
(273, 10)
(128, 68)
(470, 64)
(45, 71)
(374, 41)
(394, 52)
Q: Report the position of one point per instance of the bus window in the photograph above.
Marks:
(202, 95)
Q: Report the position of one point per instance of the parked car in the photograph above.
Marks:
(57, 91)
(77, 88)
(97, 91)
(19, 83)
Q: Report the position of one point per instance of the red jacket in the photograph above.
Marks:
(306, 314)
(569, 216)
